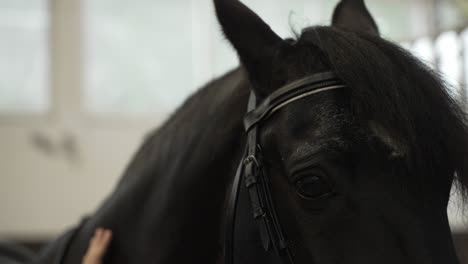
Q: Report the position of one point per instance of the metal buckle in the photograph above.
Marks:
(251, 159)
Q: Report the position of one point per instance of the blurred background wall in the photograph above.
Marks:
(82, 81)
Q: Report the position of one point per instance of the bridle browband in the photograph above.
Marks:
(256, 184)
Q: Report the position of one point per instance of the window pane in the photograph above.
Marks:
(405, 45)
(24, 56)
(147, 56)
(423, 49)
(138, 55)
(448, 50)
(465, 52)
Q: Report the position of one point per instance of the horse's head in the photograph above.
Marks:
(361, 174)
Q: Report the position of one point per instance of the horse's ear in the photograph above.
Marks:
(252, 38)
(354, 15)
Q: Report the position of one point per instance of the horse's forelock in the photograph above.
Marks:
(407, 99)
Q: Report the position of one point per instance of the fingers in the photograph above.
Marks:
(98, 246)
(101, 240)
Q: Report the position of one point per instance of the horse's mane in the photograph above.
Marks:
(179, 138)
(177, 176)
(408, 99)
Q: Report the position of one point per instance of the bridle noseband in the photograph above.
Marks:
(255, 192)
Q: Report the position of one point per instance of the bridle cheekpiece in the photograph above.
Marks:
(256, 184)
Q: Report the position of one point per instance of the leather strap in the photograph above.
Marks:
(307, 86)
(231, 213)
(259, 189)
(252, 174)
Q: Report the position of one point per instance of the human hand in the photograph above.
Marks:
(98, 246)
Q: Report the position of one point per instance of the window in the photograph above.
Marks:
(423, 49)
(24, 65)
(465, 62)
(138, 56)
(147, 56)
(448, 50)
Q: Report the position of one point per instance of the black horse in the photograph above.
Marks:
(360, 174)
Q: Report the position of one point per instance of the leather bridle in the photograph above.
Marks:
(251, 188)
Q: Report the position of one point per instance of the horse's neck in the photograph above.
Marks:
(168, 206)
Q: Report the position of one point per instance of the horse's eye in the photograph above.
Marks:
(313, 187)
